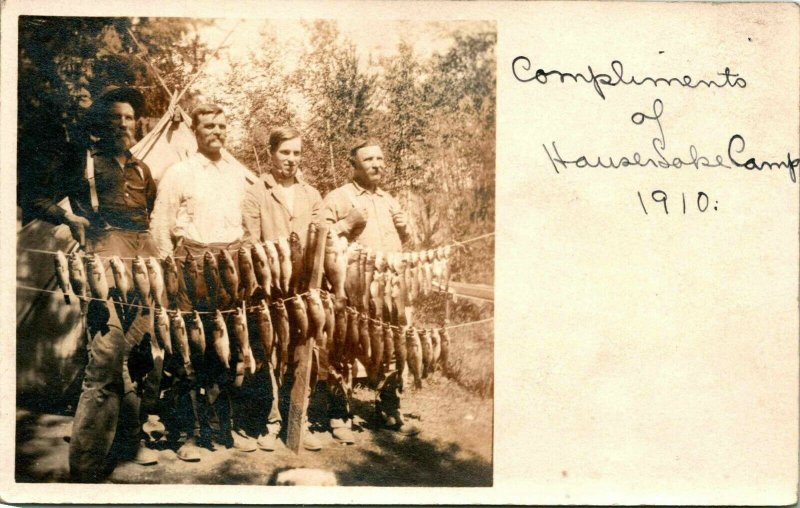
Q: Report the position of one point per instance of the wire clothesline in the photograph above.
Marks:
(256, 307)
(455, 243)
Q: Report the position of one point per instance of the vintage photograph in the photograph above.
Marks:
(255, 251)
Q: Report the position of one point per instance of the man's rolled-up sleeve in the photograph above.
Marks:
(251, 214)
(165, 210)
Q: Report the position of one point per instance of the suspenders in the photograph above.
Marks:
(89, 173)
(90, 178)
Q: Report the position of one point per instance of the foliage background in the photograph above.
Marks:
(429, 98)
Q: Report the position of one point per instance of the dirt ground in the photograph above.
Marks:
(453, 449)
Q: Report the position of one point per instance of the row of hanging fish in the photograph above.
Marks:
(209, 281)
(264, 270)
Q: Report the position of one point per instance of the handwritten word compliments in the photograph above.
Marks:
(659, 158)
(523, 70)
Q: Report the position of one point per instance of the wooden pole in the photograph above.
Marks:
(304, 352)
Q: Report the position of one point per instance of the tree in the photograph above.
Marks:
(340, 103)
(65, 61)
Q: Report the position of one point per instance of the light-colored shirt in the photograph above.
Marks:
(200, 200)
(267, 215)
(380, 232)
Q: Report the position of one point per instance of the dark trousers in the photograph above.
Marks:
(109, 405)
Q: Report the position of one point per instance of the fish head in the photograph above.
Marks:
(245, 260)
(225, 260)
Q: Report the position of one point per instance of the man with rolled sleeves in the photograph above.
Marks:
(199, 209)
(280, 204)
(363, 212)
(111, 195)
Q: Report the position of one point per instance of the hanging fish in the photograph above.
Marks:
(121, 279)
(414, 283)
(181, 340)
(364, 341)
(62, 274)
(400, 354)
(195, 281)
(197, 335)
(96, 274)
(352, 282)
(414, 355)
(369, 273)
(340, 334)
(427, 268)
(248, 281)
(283, 334)
(296, 258)
(216, 292)
(330, 320)
(445, 354)
(363, 288)
(352, 343)
(220, 339)
(227, 272)
(427, 351)
(380, 261)
(77, 278)
(285, 259)
(264, 329)
(398, 299)
(298, 317)
(388, 347)
(274, 264)
(335, 264)
(171, 280)
(261, 268)
(316, 315)
(376, 293)
(243, 340)
(156, 280)
(308, 256)
(436, 351)
(141, 280)
(162, 330)
(376, 347)
(388, 303)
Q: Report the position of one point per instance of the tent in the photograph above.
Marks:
(51, 350)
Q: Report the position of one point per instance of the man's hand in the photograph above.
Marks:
(77, 226)
(355, 220)
(400, 220)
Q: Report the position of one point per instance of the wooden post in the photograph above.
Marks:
(304, 351)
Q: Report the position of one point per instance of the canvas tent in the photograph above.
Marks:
(51, 349)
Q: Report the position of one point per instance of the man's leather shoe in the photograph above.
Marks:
(189, 451)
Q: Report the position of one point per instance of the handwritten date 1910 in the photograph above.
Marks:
(702, 203)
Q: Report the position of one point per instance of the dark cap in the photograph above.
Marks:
(121, 94)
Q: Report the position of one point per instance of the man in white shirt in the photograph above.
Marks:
(200, 199)
(198, 209)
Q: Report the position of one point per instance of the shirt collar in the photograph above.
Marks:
(98, 151)
(361, 190)
(270, 181)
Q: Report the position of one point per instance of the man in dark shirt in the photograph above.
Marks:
(111, 194)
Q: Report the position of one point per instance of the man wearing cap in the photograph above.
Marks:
(280, 204)
(111, 195)
(361, 211)
(199, 209)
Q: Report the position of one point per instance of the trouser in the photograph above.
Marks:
(109, 404)
(208, 392)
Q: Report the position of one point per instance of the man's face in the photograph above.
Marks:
(286, 159)
(122, 124)
(369, 166)
(210, 133)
